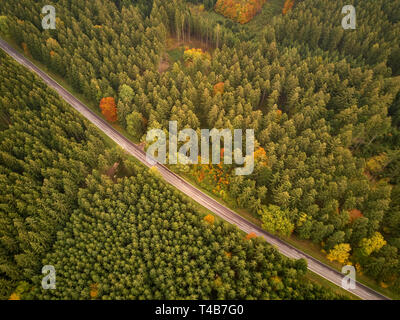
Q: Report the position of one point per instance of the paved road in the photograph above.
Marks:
(225, 213)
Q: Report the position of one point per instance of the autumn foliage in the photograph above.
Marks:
(355, 214)
(94, 290)
(340, 253)
(241, 11)
(214, 178)
(251, 235)
(14, 296)
(25, 48)
(209, 218)
(260, 156)
(109, 109)
(287, 6)
(377, 164)
(375, 243)
(219, 88)
(192, 54)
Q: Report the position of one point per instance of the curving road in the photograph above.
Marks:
(225, 213)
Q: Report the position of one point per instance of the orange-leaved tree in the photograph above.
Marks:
(94, 290)
(219, 88)
(287, 6)
(251, 235)
(109, 109)
(354, 214)
(209, 218)
(241, 11)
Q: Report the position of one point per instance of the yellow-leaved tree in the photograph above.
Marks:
(154, 171)
(375, 243)
(276, 220)
(340, 253)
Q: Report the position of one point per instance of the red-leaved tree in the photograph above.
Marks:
(109, 109)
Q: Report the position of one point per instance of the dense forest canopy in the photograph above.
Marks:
(127, 235)
(324, 103)
(46, 153)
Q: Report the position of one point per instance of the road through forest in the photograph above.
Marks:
(225, 213)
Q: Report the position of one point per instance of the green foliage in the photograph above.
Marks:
(149, 243)
(317, 97)
(135, 125)
(4, 25)
(375, 243)
(131, 238)
(276, 221)
(46, 153)
(374, 41)
(126, 93)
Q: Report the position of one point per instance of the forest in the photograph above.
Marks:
(121, 234)
(324, 103)
(239, 10)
